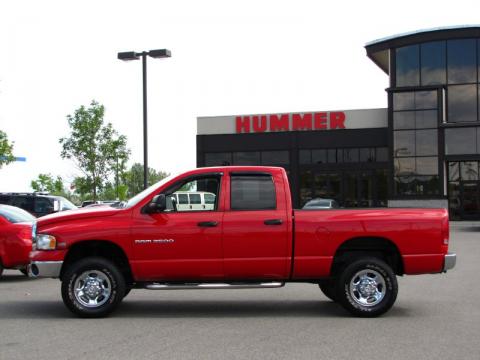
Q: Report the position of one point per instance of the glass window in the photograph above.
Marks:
(460, 141)
(209, 198)
(305, 156)
(43, 205)
(426, 142)
(462, 61)
(246, 158)
(382, 154)
(404, 166)
(275, 157)
(16, 215)
(404, 101)
(433, 56)
(404, 143)
(340, 156)
(306, 182)
(350, 155)
(195, 198)
(367, 154)
(23, 202)
(332, 155)
(427, 166)
(462, 103)
(426, 119)
(319, 156)
(427, 185)
(218, 159)
(425, 100)
(182, 198)
(187, 195)
(407, 63)
(252, 192)
(453, 171)
(469, 170)
(404, 120)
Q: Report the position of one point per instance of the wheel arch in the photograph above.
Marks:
(102, 248)
(380, 247)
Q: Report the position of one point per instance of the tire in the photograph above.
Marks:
(367, 287)
(328, 289)
(92, 287)
(127, 291)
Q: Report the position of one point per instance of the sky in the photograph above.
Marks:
(228, 58)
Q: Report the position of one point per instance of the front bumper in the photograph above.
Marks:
(50, 269)
(449, 262)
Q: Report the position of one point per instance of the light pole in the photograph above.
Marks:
(132, 55)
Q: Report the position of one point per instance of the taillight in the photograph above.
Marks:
(445, 230)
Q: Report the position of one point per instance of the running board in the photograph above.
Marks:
(187, 286)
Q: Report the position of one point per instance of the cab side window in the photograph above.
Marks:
(252, 192)
(200, 194)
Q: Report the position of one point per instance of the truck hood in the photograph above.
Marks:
(76, 214)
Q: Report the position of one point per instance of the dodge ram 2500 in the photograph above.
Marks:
(234, 227)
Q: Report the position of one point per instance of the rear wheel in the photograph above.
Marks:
(367, 287)
(92, 287)
(328, 288)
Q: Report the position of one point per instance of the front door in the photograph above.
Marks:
(182, 243)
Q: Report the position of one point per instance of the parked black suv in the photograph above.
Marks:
(38, 204)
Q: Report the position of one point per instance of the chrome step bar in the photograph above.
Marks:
(188, 286)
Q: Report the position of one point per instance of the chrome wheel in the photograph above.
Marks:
(367, 287)
(92, 288)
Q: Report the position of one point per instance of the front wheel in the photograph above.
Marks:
(92, 287)
(367, 287)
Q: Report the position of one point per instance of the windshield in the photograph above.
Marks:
(140, 196)
(15, 215)
(67, 205)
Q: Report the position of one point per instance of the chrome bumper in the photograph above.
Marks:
(49, 269)
(449, 262)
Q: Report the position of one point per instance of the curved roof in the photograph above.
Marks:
(377, 50)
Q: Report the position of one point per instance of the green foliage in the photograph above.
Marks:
(6, 148)
(96, 148)
(133, 178)
(46, 182)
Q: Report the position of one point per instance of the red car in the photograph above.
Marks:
(15, 238)
(234, 227)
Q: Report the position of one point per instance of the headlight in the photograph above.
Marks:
(45, 242)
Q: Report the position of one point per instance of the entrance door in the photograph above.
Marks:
(470, 199)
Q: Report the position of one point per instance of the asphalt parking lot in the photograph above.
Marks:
(435, 317)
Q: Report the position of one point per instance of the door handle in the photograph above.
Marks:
(207, 223)
(273, 222)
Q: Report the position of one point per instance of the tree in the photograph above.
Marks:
(133, 178)
(96, 148)
(6, 148)
(46, 182)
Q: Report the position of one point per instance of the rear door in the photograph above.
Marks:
(256, 234)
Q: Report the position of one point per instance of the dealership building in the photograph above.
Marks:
(423, 150)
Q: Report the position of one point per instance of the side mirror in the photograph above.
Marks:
(158, 203)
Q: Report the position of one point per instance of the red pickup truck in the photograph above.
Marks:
(234, 227)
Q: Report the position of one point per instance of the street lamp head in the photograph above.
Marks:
(129, 55)
(162, 53)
